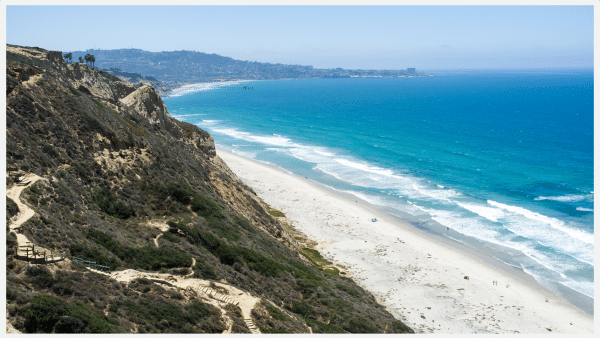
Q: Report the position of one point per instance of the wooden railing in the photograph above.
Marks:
(31, 254)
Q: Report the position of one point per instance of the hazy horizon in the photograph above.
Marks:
(350, 37)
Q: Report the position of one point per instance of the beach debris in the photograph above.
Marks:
(466, 277)
(548, 329)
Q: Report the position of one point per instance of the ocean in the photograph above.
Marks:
(498, 160)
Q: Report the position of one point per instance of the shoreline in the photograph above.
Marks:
(418, 277)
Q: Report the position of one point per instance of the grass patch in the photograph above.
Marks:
(333, 271)
(315, 257)
(276, 213)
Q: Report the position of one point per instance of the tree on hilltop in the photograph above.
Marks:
(68, 57)
(89, 58)
(80, 59)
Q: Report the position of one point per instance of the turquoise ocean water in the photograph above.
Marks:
(504, 159)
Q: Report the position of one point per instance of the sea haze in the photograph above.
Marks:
(503, 159)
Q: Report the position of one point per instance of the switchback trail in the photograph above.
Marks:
(198, 288)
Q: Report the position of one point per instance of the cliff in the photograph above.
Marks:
(98, 171)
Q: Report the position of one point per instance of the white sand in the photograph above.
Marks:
(419, 280)
(194, 87)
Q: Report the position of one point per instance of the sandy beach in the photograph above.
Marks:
(431, 286)
(194, 87)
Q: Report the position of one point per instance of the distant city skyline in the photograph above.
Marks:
(351, 37)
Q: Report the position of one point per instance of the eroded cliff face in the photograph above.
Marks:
(121, 182)
(129, 104)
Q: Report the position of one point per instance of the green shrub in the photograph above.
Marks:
(205, 207)
(360, 325)
(48, 149)
(303, 309)
(107, 202)
(308, 287)
(91, 254)
(170, 315)
(26, 102)
(49, 314)
(40, 276)
(148, 258)
(228, 254)
(74, 91)
(276, 314)
(62, 284)
(348, 290)
(43, 313)
(90, 124)
(318, 327)
(157, 165)
(170, 237)
(401, 327)
(11, 208)
(32, 190)
(273, 330)
(204, 271)
(180, 193)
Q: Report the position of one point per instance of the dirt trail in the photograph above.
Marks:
(203, 288)
(161, 226)
(25, 212)
(156, 240)
(235, 296)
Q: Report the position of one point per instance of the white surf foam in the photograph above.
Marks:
(566, 198)
(553, 222)
(197, 87)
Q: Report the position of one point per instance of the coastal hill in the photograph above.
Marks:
(184, 67)
(122, 219)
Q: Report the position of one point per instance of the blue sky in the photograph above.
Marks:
(367, 37)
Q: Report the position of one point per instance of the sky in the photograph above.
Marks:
(352, 37)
